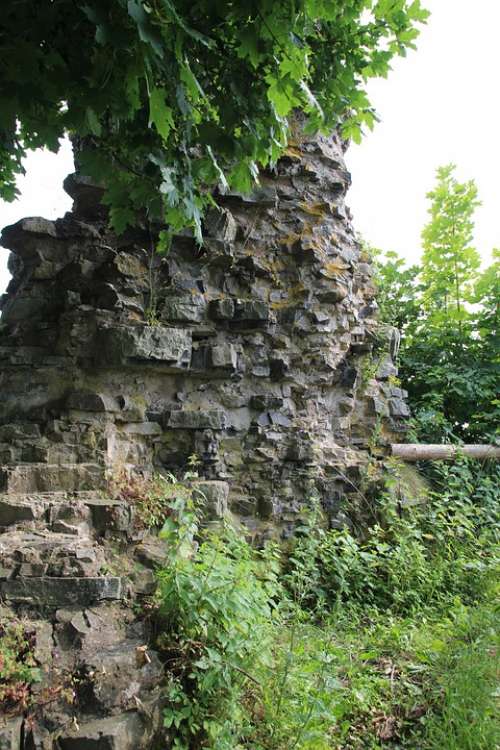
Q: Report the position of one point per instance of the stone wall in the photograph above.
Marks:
(258, 353)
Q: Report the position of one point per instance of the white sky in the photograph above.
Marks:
(42, 194)
(440, 104)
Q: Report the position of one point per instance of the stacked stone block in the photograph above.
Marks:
(258, 354)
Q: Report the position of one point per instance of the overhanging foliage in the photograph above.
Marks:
(175, 97)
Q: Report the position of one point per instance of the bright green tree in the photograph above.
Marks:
(448, 314)
(175, 97)
(449, 261)
(397, 288)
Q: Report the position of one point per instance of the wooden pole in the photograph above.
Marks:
(421, 452)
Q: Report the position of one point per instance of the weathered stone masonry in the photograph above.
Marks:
(259, 353)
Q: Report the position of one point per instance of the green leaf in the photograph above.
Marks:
(311, 98)
(148, 34)
(93, 121)
(222, 177)
(281, 96)
(121, 218)
(193, 86)
(159, 113)
(193, 33)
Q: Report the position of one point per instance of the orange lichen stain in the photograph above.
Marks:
(135, 317)
(295, 294)
(335, 268)
(293, 153)
(297, 290)
(316, 243)
(293, 237)
(273, 266)
(315, 209)
(290, 239)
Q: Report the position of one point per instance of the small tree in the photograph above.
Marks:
(449, 262)
(448, 315)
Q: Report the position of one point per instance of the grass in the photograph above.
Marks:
(371, 681)
(467, 716)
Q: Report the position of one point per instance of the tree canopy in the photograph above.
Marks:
(176, 97)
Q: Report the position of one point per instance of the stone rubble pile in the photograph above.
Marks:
(258, 353)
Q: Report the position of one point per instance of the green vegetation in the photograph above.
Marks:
(18, 666)
(447, 311)
(170, 99)
(343, 641)
(150, 498)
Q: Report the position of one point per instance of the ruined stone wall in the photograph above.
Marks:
(258, 353)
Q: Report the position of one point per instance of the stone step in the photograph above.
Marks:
(36, 477)
(77, 513)
(44, 552)
(45, 568)
(128, 731)
(44, 591)
(16, 509)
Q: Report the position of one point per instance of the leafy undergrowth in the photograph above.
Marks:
(18, 667)
(361, 682)
(347, 642)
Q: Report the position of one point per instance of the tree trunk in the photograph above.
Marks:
(422, 452)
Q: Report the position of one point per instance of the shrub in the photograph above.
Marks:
(413, 558)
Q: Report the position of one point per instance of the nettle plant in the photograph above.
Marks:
(408, 559)
(151, 498)
(247, 635)
(170, 99)
(215, 605)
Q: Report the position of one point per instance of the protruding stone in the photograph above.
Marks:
(220, 224)
(15, 510)
(222, 309)
(191, 310)
(214, 419)
(141, 345)
(86, 194)
(251, 310)
(30, 478)
(223, 356)
(266, 401)
(61, 592)
(88, 401)
(399, 408)
(214, 496)
(128, 731)
(19, 431)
